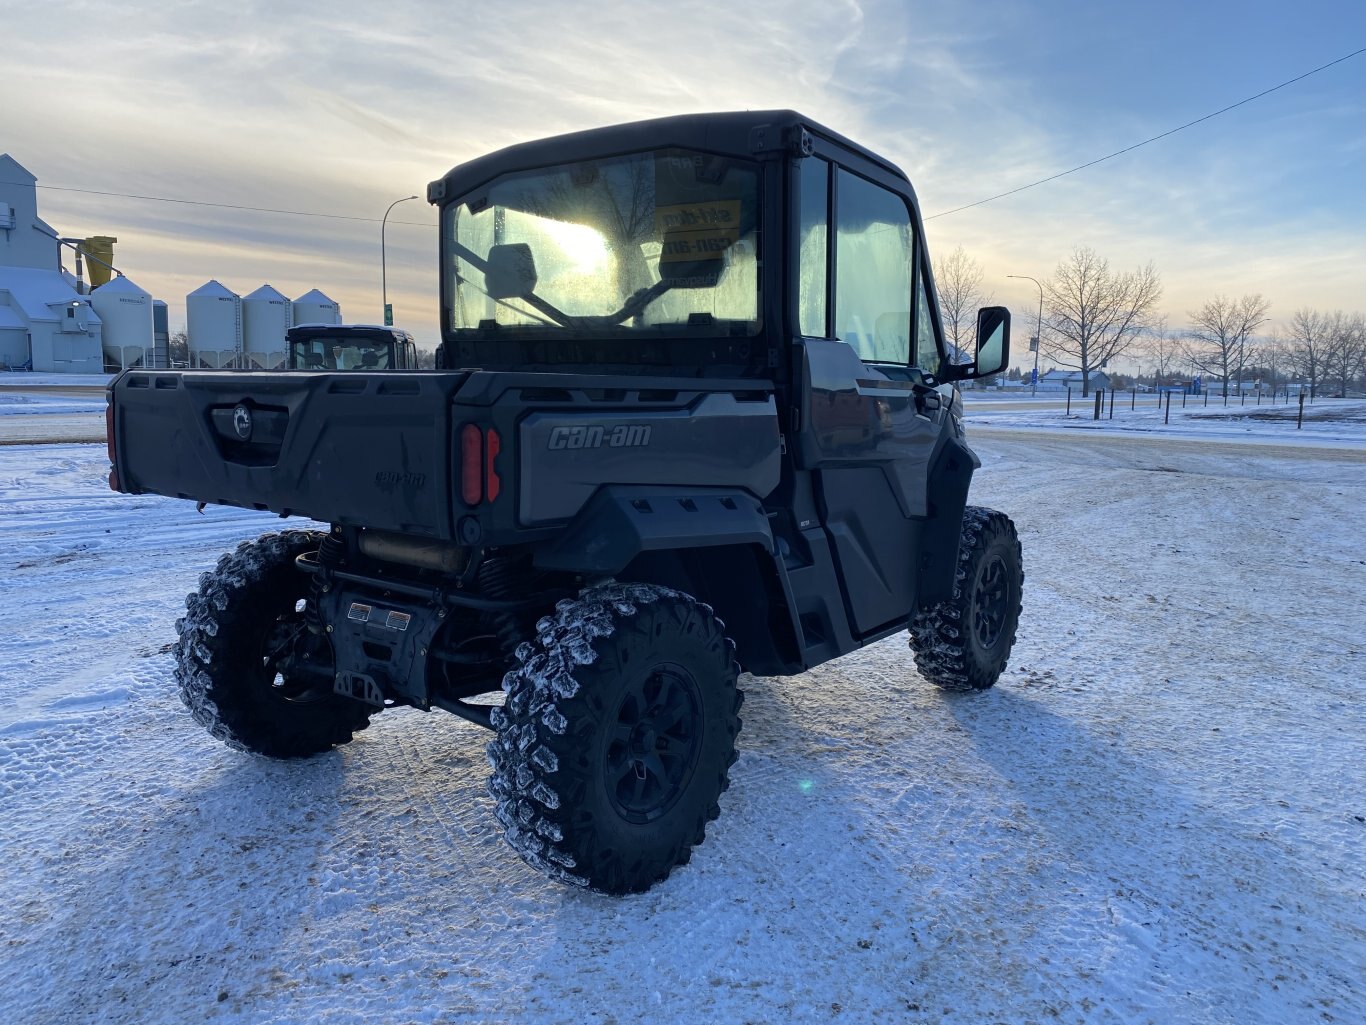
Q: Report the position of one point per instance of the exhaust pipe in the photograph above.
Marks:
(420, 553)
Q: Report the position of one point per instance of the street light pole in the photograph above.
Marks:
(1038, 334)
(383, 272)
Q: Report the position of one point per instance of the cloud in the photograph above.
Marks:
(342, 108)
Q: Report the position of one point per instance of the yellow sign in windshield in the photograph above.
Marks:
(697, 231)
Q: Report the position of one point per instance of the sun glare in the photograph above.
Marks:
(583, 246)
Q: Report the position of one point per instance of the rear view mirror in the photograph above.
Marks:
(510, 272)
(993, 347)
(993, 340)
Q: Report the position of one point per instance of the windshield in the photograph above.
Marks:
(660, 242)
(340, 352)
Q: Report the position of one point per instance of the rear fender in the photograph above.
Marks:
(619, 523)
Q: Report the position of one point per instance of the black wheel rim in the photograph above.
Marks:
(990, 602)
(655, 740)
(280, 646)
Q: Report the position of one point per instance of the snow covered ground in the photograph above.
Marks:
(1156, 816)
(1205, 417)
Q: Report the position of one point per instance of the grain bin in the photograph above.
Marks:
(315, 308)
(213, 315)
(266, 317)
(126, 311)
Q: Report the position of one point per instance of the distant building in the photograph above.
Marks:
(1061, 380)
(96, 319)
(46, 320)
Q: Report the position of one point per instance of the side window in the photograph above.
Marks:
(813, 235)
(874, 245)
(926, 352)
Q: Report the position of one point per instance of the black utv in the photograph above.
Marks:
(697, 418)
(349, 347)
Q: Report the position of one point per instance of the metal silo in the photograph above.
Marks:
(315, 308)
(265, 319)
(126, 311)
(213, 316)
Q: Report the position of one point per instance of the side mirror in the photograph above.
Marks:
(993, 347)
(993, 340)
(511, 271)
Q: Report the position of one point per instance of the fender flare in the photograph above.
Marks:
(949, 480)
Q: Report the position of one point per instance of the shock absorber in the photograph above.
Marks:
(506, 578)
(330, 554)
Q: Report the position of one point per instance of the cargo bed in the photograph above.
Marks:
(353, 448)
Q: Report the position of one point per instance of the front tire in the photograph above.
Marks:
(963, 644)
(247, 613)
(616, 738)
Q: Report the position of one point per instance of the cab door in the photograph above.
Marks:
(868, 424)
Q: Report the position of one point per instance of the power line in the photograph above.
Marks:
(220, 206)
(1128, 149)
(945, 213)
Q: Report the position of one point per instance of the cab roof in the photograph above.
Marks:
(750, 134)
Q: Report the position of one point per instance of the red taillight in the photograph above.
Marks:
(492, 445)
(471, 464)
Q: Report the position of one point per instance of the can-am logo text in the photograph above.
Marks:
(598, 436)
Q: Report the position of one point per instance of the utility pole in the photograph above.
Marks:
(383, 273)
(1038, 335)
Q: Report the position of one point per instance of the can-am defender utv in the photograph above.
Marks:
(695, 417)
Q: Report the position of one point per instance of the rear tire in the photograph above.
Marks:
(963, 644)
(245, 615)
(616, 738)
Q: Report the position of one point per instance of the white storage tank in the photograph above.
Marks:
(266, 317)
(213, 317)
(126, 311)
(315, 308)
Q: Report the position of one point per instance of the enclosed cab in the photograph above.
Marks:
(350, 347)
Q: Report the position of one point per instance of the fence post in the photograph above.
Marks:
(1168, 418)
(1242, 397)
(1100, 401)
(1299, 421)
(1112, 403)
(1133, 398)
(1183, 398)
(1069, 400)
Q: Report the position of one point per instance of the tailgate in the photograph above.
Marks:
(352, 448)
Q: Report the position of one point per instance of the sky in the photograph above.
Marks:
(343, 108)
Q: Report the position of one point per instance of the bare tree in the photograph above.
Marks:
(1220, 334)
(1163, 349)
(1095, 314)
(958, 280)
(1268, 359)
(1345, 355)
(178, 349)
(1308, 347)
